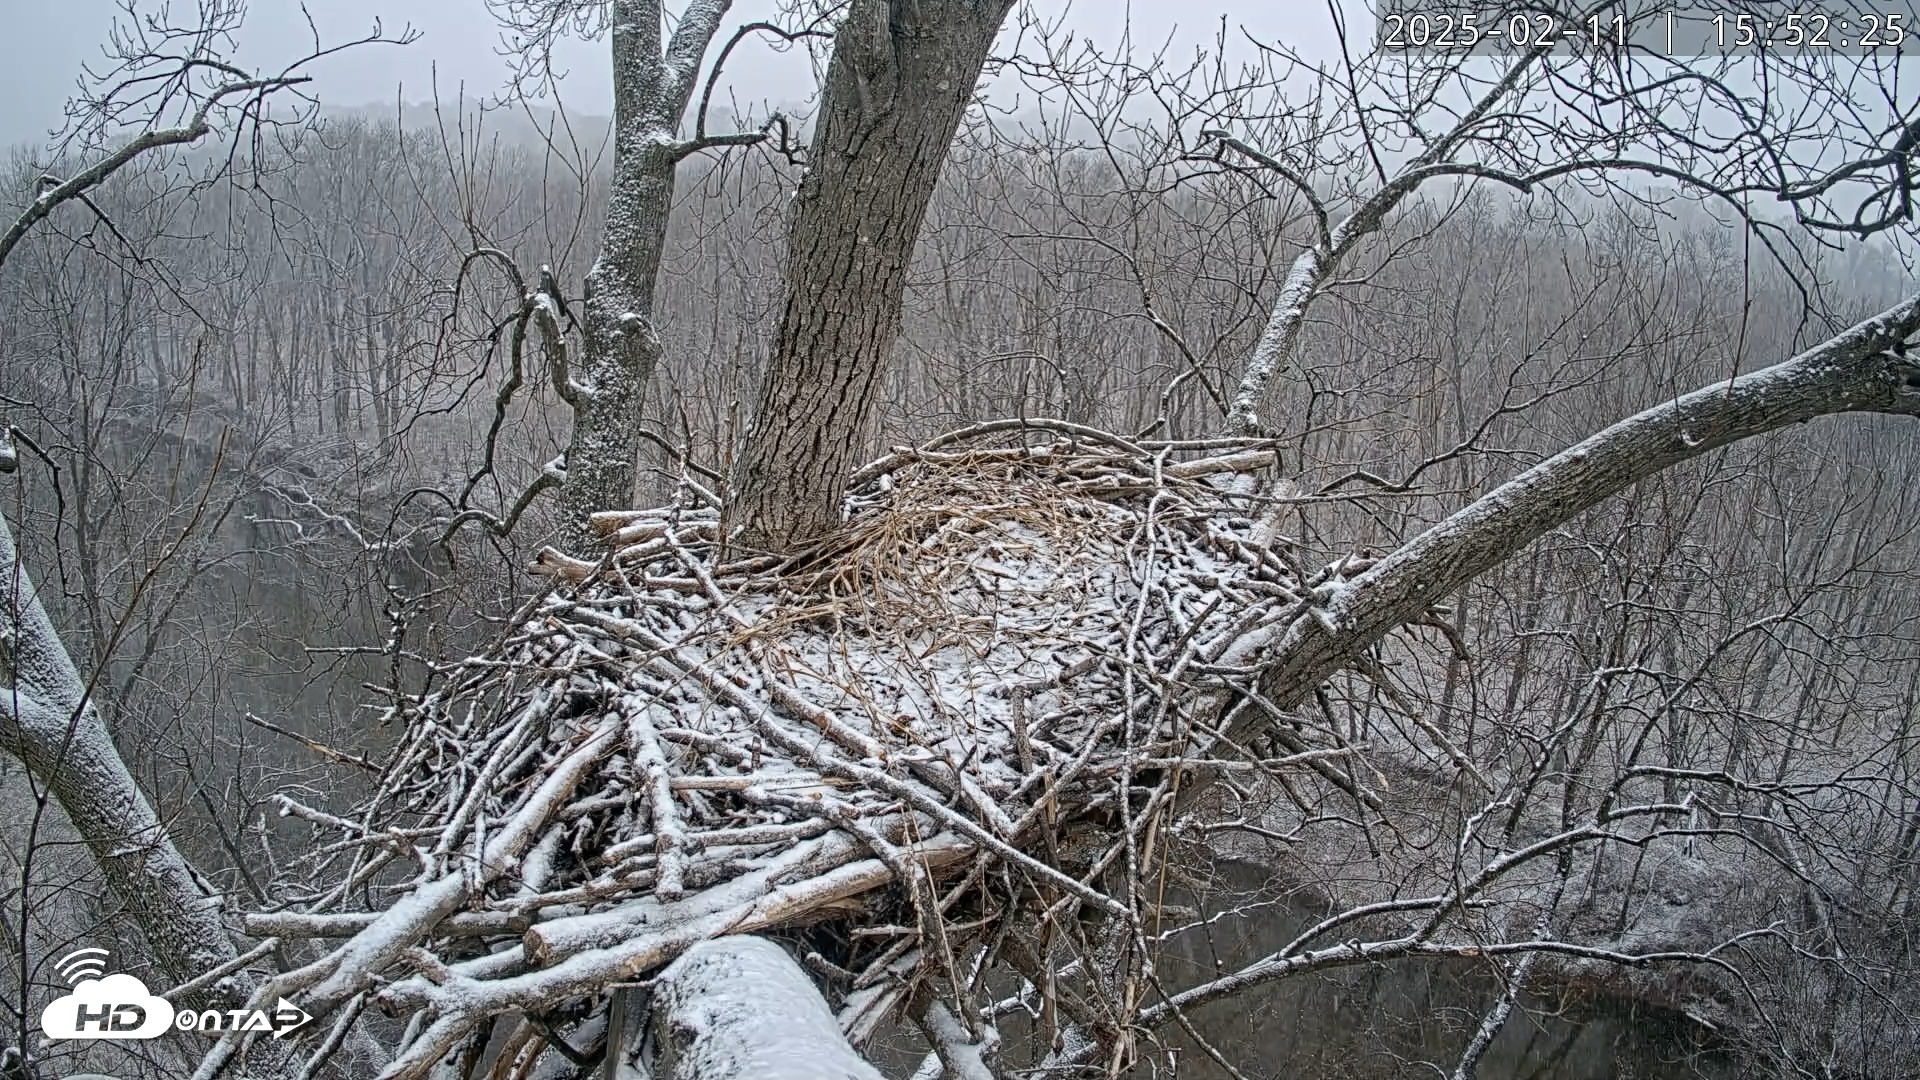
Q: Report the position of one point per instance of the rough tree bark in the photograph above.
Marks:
(901, 76)
(652, 87)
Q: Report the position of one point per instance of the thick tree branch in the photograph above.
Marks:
(901, 78)
(619, 347)
(48, 720)
(1855, 371)
(739, 1008)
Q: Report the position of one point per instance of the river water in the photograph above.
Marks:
(1405, 1019)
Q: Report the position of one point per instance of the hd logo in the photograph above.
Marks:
(102, 1006)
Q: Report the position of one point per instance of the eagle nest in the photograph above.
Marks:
(939, 738)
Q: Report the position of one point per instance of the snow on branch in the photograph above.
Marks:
(740, 1009)
(1864, 368)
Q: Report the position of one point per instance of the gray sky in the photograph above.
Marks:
(49, 42)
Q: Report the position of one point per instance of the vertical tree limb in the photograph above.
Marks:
(652, 87)
(902, 74)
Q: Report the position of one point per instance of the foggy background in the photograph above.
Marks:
(460, 48)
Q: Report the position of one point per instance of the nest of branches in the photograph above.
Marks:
(955, 736)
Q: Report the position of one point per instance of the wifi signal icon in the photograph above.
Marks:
(82, 964)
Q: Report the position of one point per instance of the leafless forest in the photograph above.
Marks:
(1242, 565)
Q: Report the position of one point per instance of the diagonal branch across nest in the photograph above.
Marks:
(970, 712)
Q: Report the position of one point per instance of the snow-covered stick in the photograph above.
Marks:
(961, 1055)
(460, 1003)
(326, 983)
(669, 838)
(801, 871)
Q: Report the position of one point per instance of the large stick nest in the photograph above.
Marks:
(963, 720)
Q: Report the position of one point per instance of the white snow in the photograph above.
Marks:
(739, 1008)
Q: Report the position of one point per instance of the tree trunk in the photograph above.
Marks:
(902, 74)
(48, 720)
(620, 347)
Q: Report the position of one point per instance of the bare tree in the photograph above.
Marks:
(49, 721)
(1380, 126)
(900, 78)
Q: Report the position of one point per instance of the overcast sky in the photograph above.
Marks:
(48, 43)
